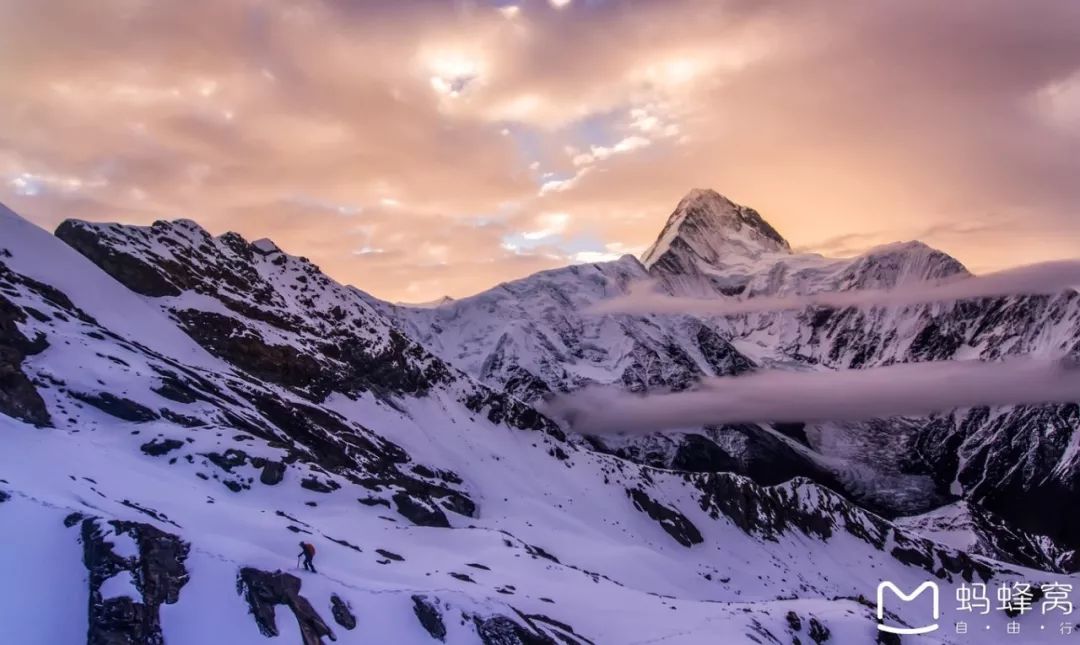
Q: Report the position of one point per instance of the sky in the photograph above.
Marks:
(425, 148)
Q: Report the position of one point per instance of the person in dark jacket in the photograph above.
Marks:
(308, 552)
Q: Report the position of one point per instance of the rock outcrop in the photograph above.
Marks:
(156, 575)
(264, 590)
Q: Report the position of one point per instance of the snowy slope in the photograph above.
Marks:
(618, 577)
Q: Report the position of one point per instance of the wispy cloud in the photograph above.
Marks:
(845, 395)
(1043, 278)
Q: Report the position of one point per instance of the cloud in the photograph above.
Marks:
(550, 224)
(845, 395)
(560, 185)
(1059, 103)
(1044, 278)
(599, 153)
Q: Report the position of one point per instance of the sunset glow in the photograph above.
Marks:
(336, 128)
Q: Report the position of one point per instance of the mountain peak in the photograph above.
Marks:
(711, 226)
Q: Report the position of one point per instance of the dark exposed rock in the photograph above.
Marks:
(342, 614)
(346, 448)
(4, 496)
(766, 511)
(501, 408)
(18, 396)
(931, 557)
(668, 368)
(672, 521)
(762, 455)
(419, 512)
(796, 431)
(333, 444)
(373, 501)
(231, 458)
(567, 635)
(539, 552)
(53, 297)
(344, 543)
(430, 617)
(264, 590)
(698, 454)
(793, 621)
(417, 501)
(128, 270)
(159, 447)
(272, 473)
(721, 356)
(403, 367)
(815, 511)
(229, 339)
(161, 517)
(389, 555)
(316, 485)
(817, 632)
(117, 406)
(185, 383)
(174, 389)
(158, 573)
(500, 630)
(423, 471)
(181, 419)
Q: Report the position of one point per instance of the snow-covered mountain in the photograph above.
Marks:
(532, 336)
(179, 410)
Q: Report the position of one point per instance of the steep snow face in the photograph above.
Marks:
(709, 226)
(531, 336)
(710, 244)
(181, 481)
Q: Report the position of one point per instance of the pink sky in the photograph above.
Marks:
(423, 148)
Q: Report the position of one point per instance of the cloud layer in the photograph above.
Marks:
(409, 147)
(1043, 278)
(845, 395)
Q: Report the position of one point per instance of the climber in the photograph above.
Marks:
(307, 551)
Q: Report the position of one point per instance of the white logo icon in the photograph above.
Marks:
(934, 595)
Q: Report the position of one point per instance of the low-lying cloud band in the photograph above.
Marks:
(845, 395)
(1032, 279)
